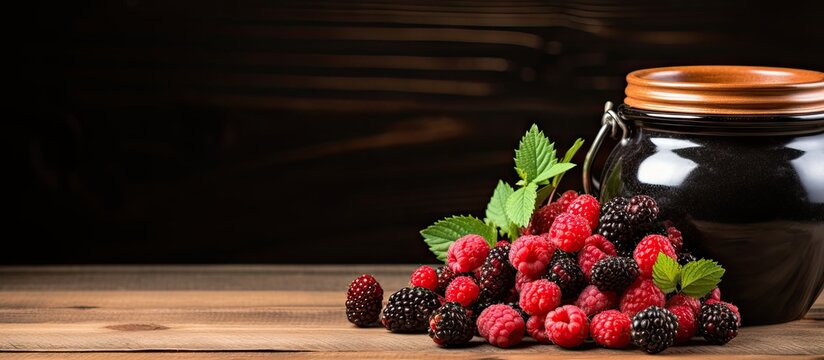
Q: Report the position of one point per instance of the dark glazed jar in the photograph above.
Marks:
(735, 158)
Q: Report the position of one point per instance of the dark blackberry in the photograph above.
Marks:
(560, 254)
(445, 276)
(408, 309)
(568, 275)
(654, 329)
(517, 308)
(497, 275)
(363, 301)
(642, 210)
(685, 257)
(614, 273)
(614, 225)
(451, 325)
(717, 323)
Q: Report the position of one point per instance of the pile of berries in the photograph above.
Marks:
(579, 271)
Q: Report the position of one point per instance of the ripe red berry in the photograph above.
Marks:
(567, 326)
(569, 231)
(675, 238)
(646, 253)
(593, 301)
(530, 254)
(501, 325)
(536, 327)
(566, 199)
(467, 253)
(463, 290)
(611, 329)
(686, 323)
(587, 207)
(540, 297)
(596, 247)
(543, 218)
(426, 277)
(682, 299)
(641, 295)
(521, 280)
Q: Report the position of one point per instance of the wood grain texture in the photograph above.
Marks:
(293, 309)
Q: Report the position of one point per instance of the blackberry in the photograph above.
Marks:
(497, 275)
(614, 225)
(445, 276)
(654, 329)
(614, 273)
(363, 301)
(408, 309)
(685, 257)
(560, 254)
(642, 210)
(568, 275)
(451, 325)
(717, 323)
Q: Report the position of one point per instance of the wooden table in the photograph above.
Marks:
(250, 312)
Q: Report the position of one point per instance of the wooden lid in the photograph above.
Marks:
(733, 90)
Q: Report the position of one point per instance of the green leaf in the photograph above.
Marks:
(568, 159)
(666, 273)
(556, 169)
(535, 154)
(444, 232)
(521, 203)
(496, 209)
(699, 277)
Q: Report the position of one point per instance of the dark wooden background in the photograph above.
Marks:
(321, 131)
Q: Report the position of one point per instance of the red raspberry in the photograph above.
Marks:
(675, 238)
(596, 247)
(462, 289)
(682, 299)
(535, 326)
(686, 323)
(501, 325)
(714, 294)
(502, 243)
(566, 199)
(569, 231)
(540, 297)
(611, 329)
(586, 207)
(542, 219)
(425, 276)
(593, 301)
(467, 253)
(640, 295)
(731, 306)
(646, 253)
(567, 326)
(521, 280)
(530, 254)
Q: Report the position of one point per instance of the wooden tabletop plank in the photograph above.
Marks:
(455, 355)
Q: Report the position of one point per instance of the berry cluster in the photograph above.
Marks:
(579, 271)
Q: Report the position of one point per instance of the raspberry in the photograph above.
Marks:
(451, 325)
(543, 218)
(641, 295)
(521, 280)
(593, 301)
(732, 307)
(675, 238)
(445, 276)
(614, 225)
(462, 289)
(569, 231)
(536, 327)
(467, 253)
(569, 277)
(501, 325)
(596, 247)
(540, 297)
(717, 323)
(408, 310)
(686, 323)
(682, 299)
(611, 329)
(646, 253)
(714, 294)
(654, 329)
(363, 301)
(502, 243)
(497, 275)
(566, 199)
(426, 277)
(530, 254)
(586, 207)
(567, 326)
(614, 273)
(641, 210)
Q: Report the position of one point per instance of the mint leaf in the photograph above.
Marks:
(554, 170)
(521, 203)
(568, 159)
(535, 154)
(666, 273)
(496, 209)
(699, 277)
(444, 232)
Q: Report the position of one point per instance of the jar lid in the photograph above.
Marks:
(733, 90)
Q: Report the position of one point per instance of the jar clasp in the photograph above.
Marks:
(610, 121)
